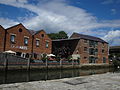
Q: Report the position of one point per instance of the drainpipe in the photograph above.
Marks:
(5, 40)
(32, 44)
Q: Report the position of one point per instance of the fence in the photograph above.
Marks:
(7, 60)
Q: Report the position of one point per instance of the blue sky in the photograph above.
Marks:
(99, 18)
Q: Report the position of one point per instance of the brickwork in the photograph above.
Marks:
(19, 39)
(2, 35)
(43, 40)
(83, 47)
(20, 33)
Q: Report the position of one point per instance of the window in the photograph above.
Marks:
(25, 41)
(37, 43)
(85, 58)
(104, 60)
(102, 45)
(96, 43)
(103, 50)
(42, 35)
(96, 51)
(91, 51)
(85, 41)
(92, 59)
(47, 44)
(85, 49)
(12, 38)
(20, 30)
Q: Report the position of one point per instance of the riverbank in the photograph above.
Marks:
(108, 81)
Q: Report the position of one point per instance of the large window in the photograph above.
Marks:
(12, 38)
(25, 41)
(37, 43)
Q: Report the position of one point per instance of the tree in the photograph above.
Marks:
(59, 35)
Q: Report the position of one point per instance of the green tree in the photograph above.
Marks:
(59, 35)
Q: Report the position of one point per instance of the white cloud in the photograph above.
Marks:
(55, 15)
(113, 37)
(7, 22)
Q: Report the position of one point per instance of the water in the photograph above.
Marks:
(36, 75)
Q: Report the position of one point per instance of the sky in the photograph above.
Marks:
(100, 18)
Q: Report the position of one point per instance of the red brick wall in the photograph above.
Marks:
(80, 49)
(19, 39)
(42, 44)
(2, 35)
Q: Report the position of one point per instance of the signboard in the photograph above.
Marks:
(19, 47)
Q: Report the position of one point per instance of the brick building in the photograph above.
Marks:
(19, 39)
(41, 44)
(2, 37)
(24, 42)
(90, 49)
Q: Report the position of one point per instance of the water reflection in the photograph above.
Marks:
(35, 75)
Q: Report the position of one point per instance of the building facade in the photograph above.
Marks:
(90, 49)
(42, 44)
(26, 44)
(2, 37)
(19, 40)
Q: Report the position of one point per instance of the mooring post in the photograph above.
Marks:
(60, 64)
(28, 64)
(72, 64)
(5, 68)
(5, 63)
(46, 64)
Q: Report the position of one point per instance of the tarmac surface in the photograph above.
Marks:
(108, 81)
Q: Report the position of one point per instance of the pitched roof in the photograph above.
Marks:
(18, 25)
(2, 27)
(77, 35)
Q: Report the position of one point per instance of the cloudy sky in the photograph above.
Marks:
(99, 18)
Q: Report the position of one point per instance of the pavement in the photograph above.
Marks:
(108, 81)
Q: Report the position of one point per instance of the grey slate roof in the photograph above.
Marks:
(77, 35)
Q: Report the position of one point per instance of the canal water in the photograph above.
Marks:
(36, 75)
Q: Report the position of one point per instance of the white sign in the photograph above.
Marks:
(19, 47)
